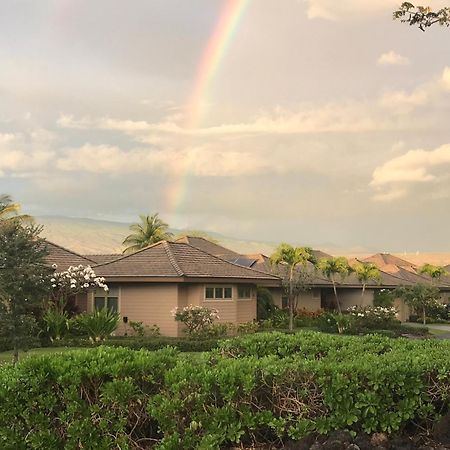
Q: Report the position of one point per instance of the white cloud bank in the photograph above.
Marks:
(395, 178)
(392, 58)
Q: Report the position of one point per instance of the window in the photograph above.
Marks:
(244, 291)
(218, 293)
(107, 299)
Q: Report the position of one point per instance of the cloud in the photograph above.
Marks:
(405, 102)
(355, 9)
(343, 9)
(392, 58)
(393, 179)
(195, 161)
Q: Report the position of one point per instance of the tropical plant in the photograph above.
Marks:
(150, 230)
(292, 264)
(99, 324)
(419, 297)
(331, 268)
(56, 323)
(422, 16)
(366, 272)
(10, 211)
(434, 272)
(23, 281)
(384, 297)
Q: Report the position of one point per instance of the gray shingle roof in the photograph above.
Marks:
(65, 258)
(177, 259)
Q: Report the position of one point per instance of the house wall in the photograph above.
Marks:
(349, 297)
(150, 304)
(309, 300)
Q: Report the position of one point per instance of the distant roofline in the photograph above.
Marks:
(69, 251)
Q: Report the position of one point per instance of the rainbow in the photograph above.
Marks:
(213, 55)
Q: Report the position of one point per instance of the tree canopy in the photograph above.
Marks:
(150, 230)
(422, 16)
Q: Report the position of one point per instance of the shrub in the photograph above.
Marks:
(265, 305)
(137, 327)
(196, 319)
(99, 324)
(384, 297)
(115, 398)
(247, 328)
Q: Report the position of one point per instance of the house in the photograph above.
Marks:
(147, 285)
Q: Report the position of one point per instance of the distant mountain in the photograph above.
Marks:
(89, 236)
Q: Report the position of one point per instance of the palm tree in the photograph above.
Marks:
(150, 230)
(9, 210)
(331, 267)
(365, 273)
(435, 272)
(292, 260)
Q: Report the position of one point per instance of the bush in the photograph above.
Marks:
(6, 343)
(265, 305)
(98, 325)
(196, 319)
(115, 398)
(247, 328)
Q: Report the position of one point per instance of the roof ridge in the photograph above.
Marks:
(225, 261)
(131, 254)
(69, 251)
(172, 258)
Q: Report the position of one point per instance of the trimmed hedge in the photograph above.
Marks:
(107, 398)
(146, 343)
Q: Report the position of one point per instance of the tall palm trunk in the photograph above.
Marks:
(362, 294)
(336, 294)
(291, 300)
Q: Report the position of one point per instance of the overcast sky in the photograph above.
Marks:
(326, 121)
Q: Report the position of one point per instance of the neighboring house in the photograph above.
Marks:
(147, 285)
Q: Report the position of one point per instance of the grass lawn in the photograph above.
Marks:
(6, 357)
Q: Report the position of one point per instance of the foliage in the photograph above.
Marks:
(331, 268)
(306, 318)
(264, 304)
(99, 324)
(150, 230)
(292, 264)
(366, 272)
(247, 328)
(23, 280)
(196, 319)
(419, 297)
(139, 329)
(256, 389)
(9, 211)
(56, 323)
(434, 272)
(422, 16)
(74, 280)
(384, 297)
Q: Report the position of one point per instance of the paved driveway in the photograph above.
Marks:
(444, 329)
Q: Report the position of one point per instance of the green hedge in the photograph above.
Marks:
(107, 398)
(138, 343)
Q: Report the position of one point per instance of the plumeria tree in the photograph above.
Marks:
(64, 285)
(420, 297)
(75, 280)
(196, 319)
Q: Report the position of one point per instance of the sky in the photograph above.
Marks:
(314, 122)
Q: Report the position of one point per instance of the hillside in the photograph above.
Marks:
(88, 236)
